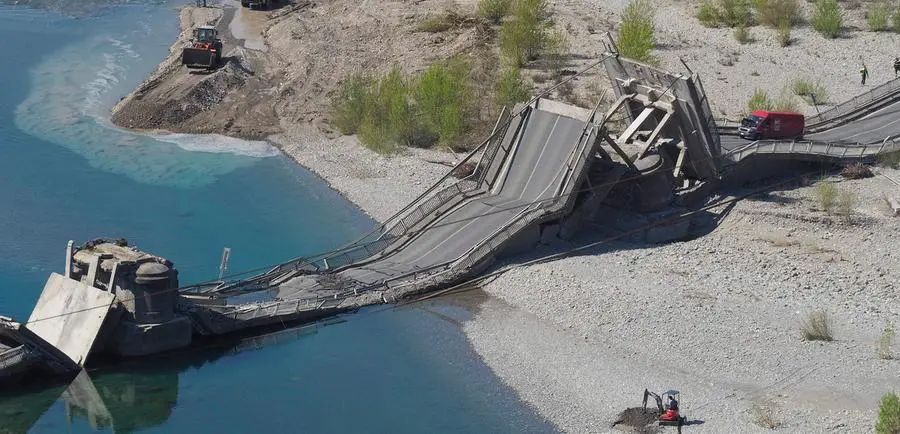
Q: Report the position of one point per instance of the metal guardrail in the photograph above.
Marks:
(823, 149)
(854, 105)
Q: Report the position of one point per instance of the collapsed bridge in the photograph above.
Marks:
(546, 171)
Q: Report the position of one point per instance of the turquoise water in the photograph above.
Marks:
(65, 173)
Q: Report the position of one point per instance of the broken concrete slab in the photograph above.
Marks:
(22, 351)
(69, 314)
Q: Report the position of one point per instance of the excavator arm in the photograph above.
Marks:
(659, 403)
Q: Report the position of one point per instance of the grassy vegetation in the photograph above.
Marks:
(742, 35)
(786, 102)
(846, 201)
(826, 193)
(555, 50)
(450, 19)
(735, 13)
(808, 89)
(817, 327)
(636, 38)
(888, 415)
(827, 18)
(878, 17)
(775, 13)
(511, 88)
(765, 415)
(392, 110)
(493, 11)
(784, 34)
(442, 97)
(895, 21)
(883, 347)
(759, 101)
(524, 37)
(727, 13)
(708, 14)
(350, 102)
(388, 116)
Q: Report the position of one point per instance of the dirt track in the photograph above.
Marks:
(232, 100)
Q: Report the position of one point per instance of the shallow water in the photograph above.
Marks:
(65, 173)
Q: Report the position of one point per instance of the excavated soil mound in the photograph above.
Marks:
(639, 419)
(232, 99)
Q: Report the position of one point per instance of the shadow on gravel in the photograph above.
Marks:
(642, 420)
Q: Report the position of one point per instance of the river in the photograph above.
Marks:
(66, 173)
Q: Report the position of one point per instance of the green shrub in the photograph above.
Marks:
(450, 19)
(888, 415)
(878, 16)
(786, 103)
(389, 118)
(493, 10)
(708, 14)
(827, 18)
(511, 88)
(774, 12)
(759, 101)
(443, 97)
(827, 194)
(742, 35)
(806, 89)
(435, 24)
(895, 21)
(349, 103)
(846, 201)
(523, 38)
(817, 327)
(735, 13)
(636, 39)
(555, 50)
(784, 33)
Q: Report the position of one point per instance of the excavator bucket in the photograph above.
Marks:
(198, 58)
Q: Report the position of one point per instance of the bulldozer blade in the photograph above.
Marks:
(198, 58)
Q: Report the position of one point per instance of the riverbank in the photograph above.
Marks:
(718, 317)
(580, 338)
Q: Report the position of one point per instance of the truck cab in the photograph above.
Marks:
(765, 124)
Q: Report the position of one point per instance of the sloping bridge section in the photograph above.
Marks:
(528, 173)
(528, 177)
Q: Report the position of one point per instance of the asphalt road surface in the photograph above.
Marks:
(872, 128)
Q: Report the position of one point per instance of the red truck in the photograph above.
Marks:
(764, 124)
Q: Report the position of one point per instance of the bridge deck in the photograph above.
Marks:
(535, 169)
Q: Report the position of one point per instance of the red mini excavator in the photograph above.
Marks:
(668, 414)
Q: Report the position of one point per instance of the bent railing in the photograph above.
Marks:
(824, 149)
